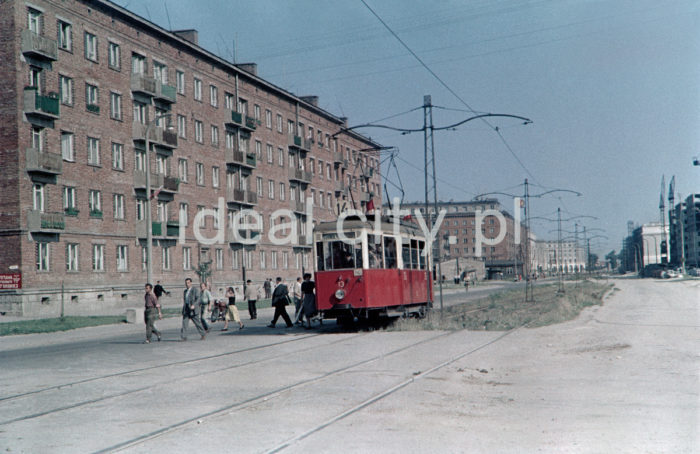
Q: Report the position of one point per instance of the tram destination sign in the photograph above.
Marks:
(10, 281)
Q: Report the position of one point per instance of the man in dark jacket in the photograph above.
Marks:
(280, 299)
(190, 301)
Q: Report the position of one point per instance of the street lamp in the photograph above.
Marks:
(149, 221)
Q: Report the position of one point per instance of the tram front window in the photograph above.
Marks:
(389, 252)
(339, 255)
(374, 250)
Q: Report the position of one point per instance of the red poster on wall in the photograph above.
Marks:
(10, 281)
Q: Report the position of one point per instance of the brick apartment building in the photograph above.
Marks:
(82, 83)
(458, 235)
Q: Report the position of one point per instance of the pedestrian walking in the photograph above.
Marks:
(280, 300)
(308, 288)
(296, 297)
(190, 302)
(232, 310)
(250, 294)
(204, 305)
(158, 290)
(151, 312)
(267, 286)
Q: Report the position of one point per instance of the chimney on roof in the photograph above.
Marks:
(249, 67)
(188, 35)
(313, 100)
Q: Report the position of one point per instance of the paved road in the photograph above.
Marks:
(621, 378)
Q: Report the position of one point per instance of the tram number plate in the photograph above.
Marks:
(357, 272)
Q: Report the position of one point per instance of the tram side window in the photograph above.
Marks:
(406, 256)
(321, 259)
(374, 249)
(389, 252)
(414, 254)
(421, 257)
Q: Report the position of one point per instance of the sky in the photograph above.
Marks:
(611, 88)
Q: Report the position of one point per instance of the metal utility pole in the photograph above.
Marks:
(529, 278)
(560, 289)
(662, 209)
(429, 161)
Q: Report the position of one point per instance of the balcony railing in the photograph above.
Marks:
(42, 162)
(241, 196)
(299, 175)
(238, 158)
(243, 234)
(158, 181)
(38, 221)
(339, 159)
(165, 92)
(250, 123)
(94, 108)
(36, 104)
(236, 119)
(39, 46)
(158, 136)
(296, 142)
(297, 206)
(169, 229)
(141, 83)
(340, 186)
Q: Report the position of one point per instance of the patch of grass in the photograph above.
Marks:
(50, 325)
(507, 310)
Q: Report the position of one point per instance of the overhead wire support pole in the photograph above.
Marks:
(427, 105)
(529, 275)
(560, 261)
(426, 102)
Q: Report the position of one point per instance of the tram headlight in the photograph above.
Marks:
(340, 294)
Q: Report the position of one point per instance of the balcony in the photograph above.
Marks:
(297, 207)
(143, 84)
(158, 136)
(250, 124)
(236, 120)
(159, 230)
(301, 242)
(166, 184)
(238, 158)
(243, 234)
(341, 187)
(299, 143)
(46, 163)
(39, 105)
(241, 197)
(300, 176)
(41, 222)
(165, 93)
(39, 46)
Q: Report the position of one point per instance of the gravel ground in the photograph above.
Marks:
(621, 378)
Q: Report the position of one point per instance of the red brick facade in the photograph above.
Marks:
(31, 120)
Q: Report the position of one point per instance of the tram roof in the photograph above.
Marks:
(356, 223)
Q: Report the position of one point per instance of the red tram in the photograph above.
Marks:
(373, 271)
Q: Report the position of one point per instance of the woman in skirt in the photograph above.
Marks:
(232, 310)
(308, 306)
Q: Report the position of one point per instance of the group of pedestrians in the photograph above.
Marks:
(197, 302)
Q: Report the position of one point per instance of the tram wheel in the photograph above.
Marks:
(345, 320)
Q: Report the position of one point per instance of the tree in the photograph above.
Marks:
(612, 258)
(204, 271)
(592, 260)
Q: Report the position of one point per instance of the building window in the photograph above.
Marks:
(42, 256)
(258, 150)
(268, 119)
(259, 186)
(140, 209)
(34, 20)
(263, 260)
(37, 138)
(180, 80)
(213, 96)
(95, 203)
(215, 135)
(285, 260)
(270, 153)
(115, 106)
(215, 177)
(117, 156)
(279, 123)
(65, 89)
(271, 189)
(93, 145)
(72, 257)
(38, 197)
(184, 215)
(98, 257)
(69, 201)
(122, 258)
(65, 36)
(118, 201)
(283, 192)
(199, 178)
(229, 101)
(140, 160)
(198, 128)
(234, 259)
(182, 126)
(166, 258)
(140, 112)
(280, 157)
(219, 259)
(216, 218)
(160, 72)
(90, 46)
(114, 57)
(273, 260)
(138, 64)
(257, 113)
(197, 89)
(162, 211)
(202, 219)
(182, 169)
(186, 258)
(91, 98)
